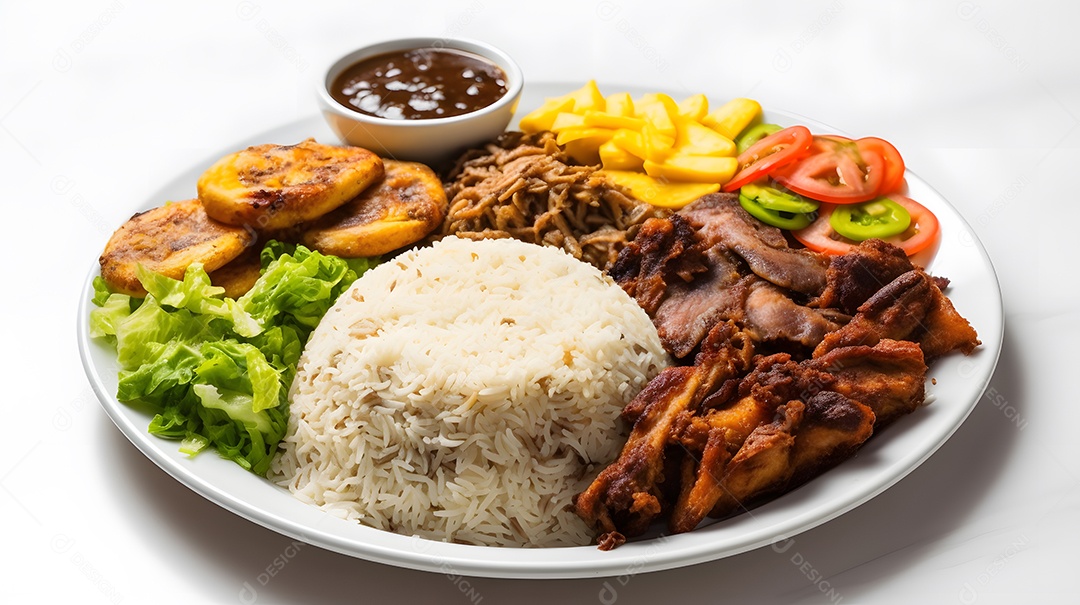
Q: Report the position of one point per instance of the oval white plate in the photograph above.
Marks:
(884, 460)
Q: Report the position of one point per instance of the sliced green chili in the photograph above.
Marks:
(878, 218)
(776, 218)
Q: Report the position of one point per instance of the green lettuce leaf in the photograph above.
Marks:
(217, 371)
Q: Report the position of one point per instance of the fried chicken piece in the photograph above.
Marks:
(911, 307)
(833, 427)
(167, 240)
(761, 466)
(890, 377)
(625, 496)
(854, 277)
(665, 251)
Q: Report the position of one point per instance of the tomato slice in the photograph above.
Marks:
(837, 171)
(920, 234)
(772, 152)
(893, 178)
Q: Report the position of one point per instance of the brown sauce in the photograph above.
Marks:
(420, 84)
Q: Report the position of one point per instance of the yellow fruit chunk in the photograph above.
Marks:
(583, 144)
(543, 117)
(658, 145)
(567, 119)
(693, 168)
(694, 107)
(606, 119)
(584, 132)
(659, 110)
(620, 104)
(614, 157)
(658, 192)
(693, 138)
(631, 141)
(732, 117)
(588, 97)
(668, 152)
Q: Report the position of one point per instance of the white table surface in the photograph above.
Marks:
(104, 100)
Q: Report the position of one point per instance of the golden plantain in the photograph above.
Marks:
(238, 275)
(166, 240)
(405, 206)
(267, 187)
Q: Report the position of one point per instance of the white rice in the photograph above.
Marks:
(465, 392)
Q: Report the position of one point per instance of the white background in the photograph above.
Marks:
(102, 101)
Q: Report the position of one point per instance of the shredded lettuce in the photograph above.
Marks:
(217, 370)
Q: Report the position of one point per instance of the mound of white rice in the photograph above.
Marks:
(465, 392)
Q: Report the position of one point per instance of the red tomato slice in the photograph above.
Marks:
(894, 163)
(836, 171)
(821, 237)
(778, 149)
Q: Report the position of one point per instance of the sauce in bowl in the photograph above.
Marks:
(420, 84)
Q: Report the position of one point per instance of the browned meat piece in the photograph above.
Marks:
(890, 377)
(723, 222)
(770, 316)
(785, 423)
(664, 252)
(856, 276)
(691, 308)
(762, 465)
(624, 497)
(911, 307)
(688, 281)
(700, 487)
(833, 428)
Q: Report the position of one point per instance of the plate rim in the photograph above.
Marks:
(641, 556)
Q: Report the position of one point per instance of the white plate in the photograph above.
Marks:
(884, 460)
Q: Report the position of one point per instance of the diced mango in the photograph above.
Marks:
(583, 144)
(588, 97)
(605, 119)
(695, 139)
(567, 119)
(659, 110)
(657, 192)
(543, 117)
(665, 153)
(584, 132)
(732, 117)
(620, 104)
(694, 107)
(693, 168)
(657, 144)
(614, 157)
(631, 141)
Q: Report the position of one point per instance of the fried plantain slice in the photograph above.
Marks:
(267, 187)
(405, 206)
(166, 240)
(240, 274)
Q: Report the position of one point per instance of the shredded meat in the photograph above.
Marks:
(525, 187)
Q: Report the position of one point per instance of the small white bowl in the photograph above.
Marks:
(428, 140)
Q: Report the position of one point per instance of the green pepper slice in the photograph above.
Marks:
(778, 199)
(776, 218)
(755, 134)
(878, 218)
